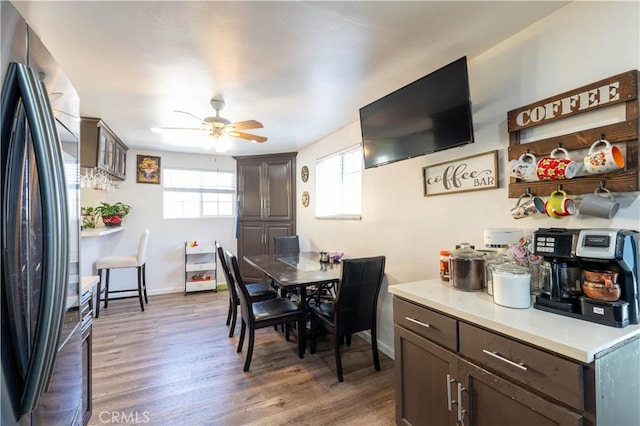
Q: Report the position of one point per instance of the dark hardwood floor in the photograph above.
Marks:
(174, 364)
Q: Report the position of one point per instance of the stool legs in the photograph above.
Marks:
(144, 282)
(141, 273)
(106, 290)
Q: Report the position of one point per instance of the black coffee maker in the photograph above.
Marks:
(616, 253)
(572, 256)
(560, 271)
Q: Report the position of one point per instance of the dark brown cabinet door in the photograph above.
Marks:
(101, 148)
(87, 393)
(265, 188)
(256, 238)
(275, 230)
(250, 190)
(278, 194)
(251, 242)
(424, 396)
(490, 400)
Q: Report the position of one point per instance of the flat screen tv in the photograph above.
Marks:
(431, 114)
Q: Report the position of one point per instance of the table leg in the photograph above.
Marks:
(302, 333)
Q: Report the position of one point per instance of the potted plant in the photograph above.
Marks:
(89, 216)
(112, 214)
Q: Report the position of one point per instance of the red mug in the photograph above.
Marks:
(555, 168)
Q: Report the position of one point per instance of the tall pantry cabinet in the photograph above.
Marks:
(266, 205)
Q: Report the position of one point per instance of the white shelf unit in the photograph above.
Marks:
(200, 268)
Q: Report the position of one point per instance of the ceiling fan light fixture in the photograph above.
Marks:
(223, 143)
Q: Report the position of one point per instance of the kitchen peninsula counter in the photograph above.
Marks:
(100, 232)
(97, 243)
(573, 338)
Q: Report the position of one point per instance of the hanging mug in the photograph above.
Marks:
(559, 205)
(529, 207)
(555, 168)
(599, 204)
(524, 168)
(605, 160)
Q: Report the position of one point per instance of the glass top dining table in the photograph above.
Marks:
(297, 272)
(300, 270)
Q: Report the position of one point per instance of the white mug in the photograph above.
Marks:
(605, 160)
(524, 167)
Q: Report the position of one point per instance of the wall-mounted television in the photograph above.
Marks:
(431, 114)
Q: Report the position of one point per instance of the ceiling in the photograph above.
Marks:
(301, 68)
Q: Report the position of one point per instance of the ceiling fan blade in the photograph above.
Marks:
(246, 125)
(248, 136)
(188, 113)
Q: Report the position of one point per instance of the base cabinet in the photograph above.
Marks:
(438, 384)
(86, 377)
(423, 395)
(489, 400)
(86, 309)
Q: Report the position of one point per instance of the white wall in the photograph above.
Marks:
(581, 43)
(165, 264)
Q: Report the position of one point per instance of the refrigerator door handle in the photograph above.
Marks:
(21, 83)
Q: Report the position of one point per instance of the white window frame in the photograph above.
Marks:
(333, 190)
(199, 189)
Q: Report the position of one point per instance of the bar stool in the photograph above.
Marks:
(137, 261)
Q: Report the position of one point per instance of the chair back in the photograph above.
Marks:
(243, 294)
(357, 299)
(142, 248)
(231, 285)
(286, 244)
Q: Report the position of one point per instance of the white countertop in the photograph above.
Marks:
(99, 232)
(574, 338)
(87, 282)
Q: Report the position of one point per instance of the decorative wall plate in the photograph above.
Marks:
(304, 173)
(305, 198)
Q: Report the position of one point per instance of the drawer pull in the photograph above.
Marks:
(515, 364)
(450, 401)
(418, 322)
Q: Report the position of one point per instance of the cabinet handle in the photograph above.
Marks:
(461, 409)
(418, 322)
(521, 366)
(450, 401)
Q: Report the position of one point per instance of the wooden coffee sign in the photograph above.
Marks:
(613, 90)
(472, 173)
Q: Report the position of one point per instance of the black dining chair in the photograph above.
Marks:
(266, 313)
(354, 308)
(257, 291)
(286, 244)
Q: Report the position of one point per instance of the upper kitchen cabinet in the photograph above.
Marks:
(101, 148)
(266, 187)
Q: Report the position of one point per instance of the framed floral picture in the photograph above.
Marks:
(148, 169)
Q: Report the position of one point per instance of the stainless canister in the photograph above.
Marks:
(467, 268)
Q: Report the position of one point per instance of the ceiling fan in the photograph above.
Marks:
(218, 126)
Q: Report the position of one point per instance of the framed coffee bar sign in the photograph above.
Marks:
(472, 173)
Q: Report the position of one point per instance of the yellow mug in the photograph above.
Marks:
(559, 205)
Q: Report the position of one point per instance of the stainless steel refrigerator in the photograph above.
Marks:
(39, 147)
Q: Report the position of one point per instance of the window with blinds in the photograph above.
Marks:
(198, 193)
(339, 185)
